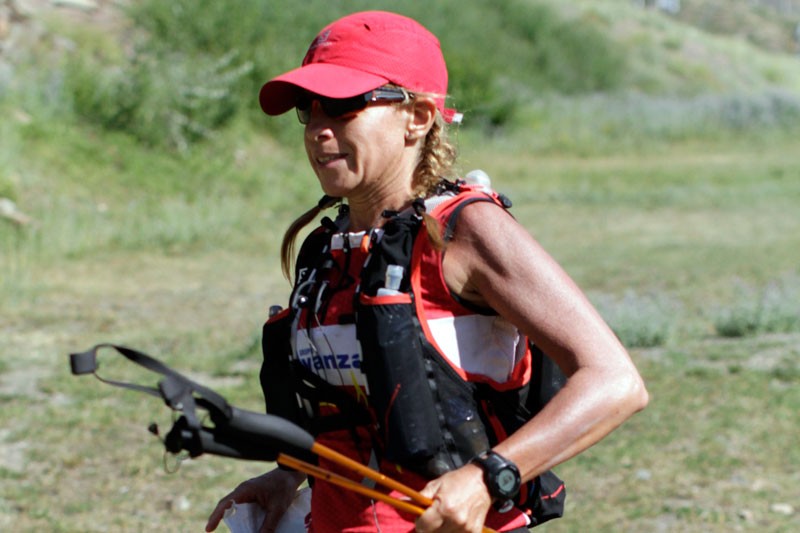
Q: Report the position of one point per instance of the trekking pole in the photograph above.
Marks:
(243, 434)
(257, 436)
(341, 481)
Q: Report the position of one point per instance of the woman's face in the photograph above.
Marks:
(361, 156)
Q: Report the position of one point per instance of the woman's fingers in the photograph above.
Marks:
(219, 511)
(272, 491)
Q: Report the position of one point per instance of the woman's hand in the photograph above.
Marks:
(460, 502)
(273, 491)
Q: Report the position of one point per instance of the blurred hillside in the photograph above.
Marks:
(89, 55)
(582, 76)
(133, 123)
(769, 24)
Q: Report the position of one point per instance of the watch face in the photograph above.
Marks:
(506, 481)
(501, 476)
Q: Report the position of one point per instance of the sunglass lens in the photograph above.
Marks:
(337, 107)
(303, 107)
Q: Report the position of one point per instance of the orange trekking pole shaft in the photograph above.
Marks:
(349, 484)
(355, 466)
(365, 471)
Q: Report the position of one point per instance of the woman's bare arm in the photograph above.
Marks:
(494, 261)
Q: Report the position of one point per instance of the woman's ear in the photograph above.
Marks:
(423, 114)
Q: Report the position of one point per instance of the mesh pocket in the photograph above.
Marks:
(398, 383)
(427, 414)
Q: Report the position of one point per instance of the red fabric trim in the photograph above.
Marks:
(554, 494)
(419, 303)
(497, 427)
(401, 298)
(423, 252)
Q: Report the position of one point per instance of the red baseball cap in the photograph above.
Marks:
(361, 52)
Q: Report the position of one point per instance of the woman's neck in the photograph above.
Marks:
(366, 213)
(361, 220)
(391, 191)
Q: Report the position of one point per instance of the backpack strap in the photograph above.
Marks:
(449, 233)
(291, 390)
(450, 227)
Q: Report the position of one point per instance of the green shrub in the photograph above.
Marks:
(7, 156)
(169, 101)
(567, 55)
(197, 63)
(638, 320)
(103, 93)
(267, 37)
(500, 54)
(774, 308)
(593, 123)
(7, 189)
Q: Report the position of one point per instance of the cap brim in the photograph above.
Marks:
(279, 95)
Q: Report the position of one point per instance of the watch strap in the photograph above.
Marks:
(494, 467)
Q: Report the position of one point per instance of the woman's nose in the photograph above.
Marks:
(318, 126)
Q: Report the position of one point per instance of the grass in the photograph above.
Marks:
(717, 458)
(709, 454)
(694, 216)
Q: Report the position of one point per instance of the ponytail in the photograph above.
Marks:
(436, 161)
(290, 237)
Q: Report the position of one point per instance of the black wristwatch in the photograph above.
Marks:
(500, 475)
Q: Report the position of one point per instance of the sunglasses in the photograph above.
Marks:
(339, 107)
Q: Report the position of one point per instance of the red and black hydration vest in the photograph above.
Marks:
(435, 380)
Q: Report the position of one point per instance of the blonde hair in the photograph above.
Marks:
(436, 162)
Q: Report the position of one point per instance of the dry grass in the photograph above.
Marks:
(714, 451)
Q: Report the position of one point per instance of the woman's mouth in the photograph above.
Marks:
(329, 158)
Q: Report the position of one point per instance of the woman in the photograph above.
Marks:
(371, 94)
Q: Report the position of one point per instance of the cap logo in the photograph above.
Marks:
(321, 39)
